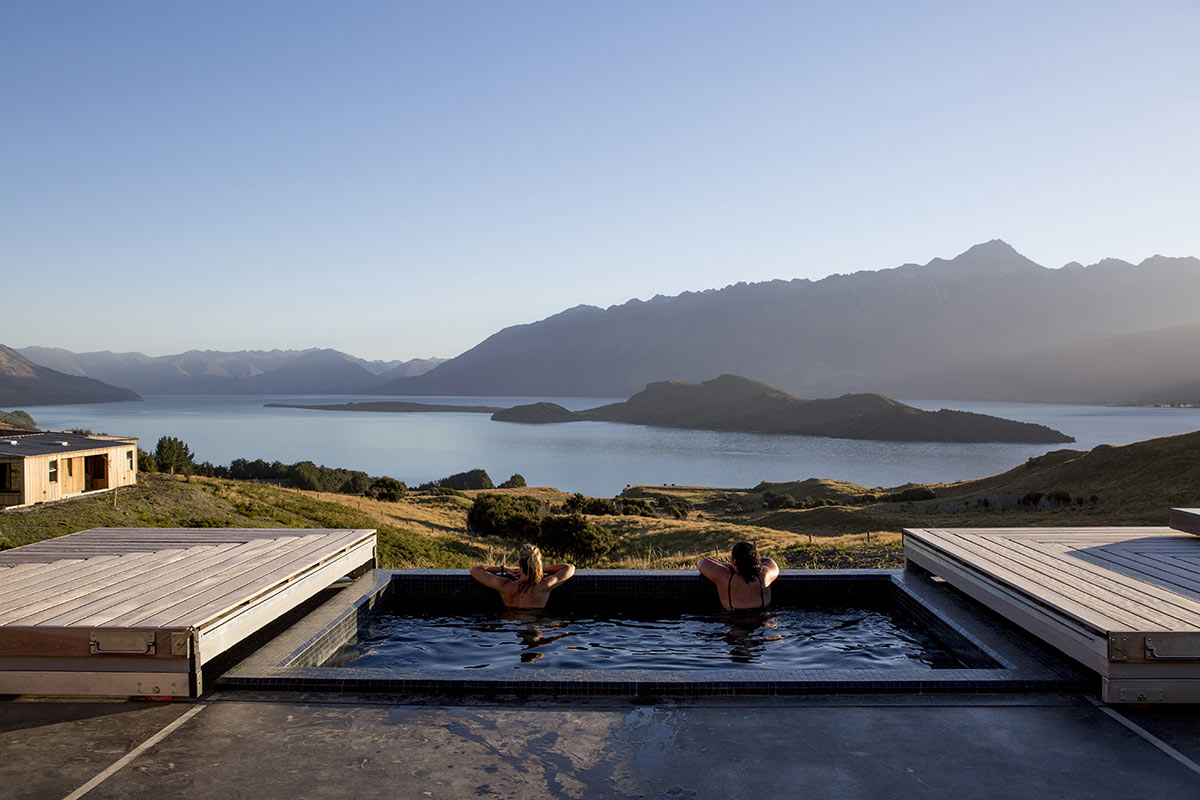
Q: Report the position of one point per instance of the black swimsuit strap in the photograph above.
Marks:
(762, 592)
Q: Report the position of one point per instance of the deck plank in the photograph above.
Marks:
(183, 592)
(132, 577)
(203, 607)
(63, 573)
(97, 580)
(1116, 588)
(102, 611)
(1033, 586)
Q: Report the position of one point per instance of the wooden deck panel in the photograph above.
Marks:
(200, 608)
(1186, 520)
(63, 608)
(1117, 588)
(127, 595)
(1124, 602)
(121, 541)
(59, 575)
(1033, 584)
(48, 598)
(182, 594)
(162, 584)
(72, 608)
(1066, 573)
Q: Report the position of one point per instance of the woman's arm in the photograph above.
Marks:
(490, 576)
(770, 571)
(556, 574)
(714, 570)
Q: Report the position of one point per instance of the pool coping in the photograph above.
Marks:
(1018, 662)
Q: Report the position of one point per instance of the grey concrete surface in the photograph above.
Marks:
(239, 747)
(48, 749)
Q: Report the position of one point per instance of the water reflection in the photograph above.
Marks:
(748, 634)
(535, 631)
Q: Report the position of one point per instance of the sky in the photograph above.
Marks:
(403, 179)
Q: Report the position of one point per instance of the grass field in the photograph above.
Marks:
(1132, 485)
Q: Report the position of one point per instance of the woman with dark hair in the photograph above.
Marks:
(745, 581)
(529, 586)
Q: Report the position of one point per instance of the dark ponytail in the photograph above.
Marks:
(745, 558)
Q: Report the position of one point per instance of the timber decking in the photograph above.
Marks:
(1186, 520)
(1125, 602)
(134, 610)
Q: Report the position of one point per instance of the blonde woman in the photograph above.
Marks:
(529, 586)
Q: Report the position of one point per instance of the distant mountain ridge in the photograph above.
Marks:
(23, 382)
(939, 330)
(734, 403)
(313, 371)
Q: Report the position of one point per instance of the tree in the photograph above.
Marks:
(173, 455)
(517, 481)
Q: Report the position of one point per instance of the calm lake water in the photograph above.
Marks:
(596, 458)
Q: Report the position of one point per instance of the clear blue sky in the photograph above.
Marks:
(401, 179)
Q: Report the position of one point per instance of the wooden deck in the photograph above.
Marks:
(1124, 602)
(139, 611)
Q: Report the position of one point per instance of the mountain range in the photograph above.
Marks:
(989, 323)
(23, 382)
(244, 372)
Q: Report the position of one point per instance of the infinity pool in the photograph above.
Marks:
(784, 638)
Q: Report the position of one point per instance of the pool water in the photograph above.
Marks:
(781, 638)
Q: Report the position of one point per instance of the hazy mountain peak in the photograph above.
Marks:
(996, 257)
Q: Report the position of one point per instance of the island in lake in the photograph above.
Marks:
(734, 403)
(737, 404)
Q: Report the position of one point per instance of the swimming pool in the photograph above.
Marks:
(438, 632)
(835, 637)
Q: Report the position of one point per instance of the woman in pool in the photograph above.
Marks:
(530, 585)
(744, 582)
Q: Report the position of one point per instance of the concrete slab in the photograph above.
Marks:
(832, 748)
(48, 749)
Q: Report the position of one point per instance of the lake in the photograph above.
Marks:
(596, 458)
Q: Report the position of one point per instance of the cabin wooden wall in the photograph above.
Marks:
(39, 489)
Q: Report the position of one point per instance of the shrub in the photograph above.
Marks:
(146, 461)
(573, 537)
(913, 495)
(508, 516)
(634, 507)
(517, 481)
(386, 488)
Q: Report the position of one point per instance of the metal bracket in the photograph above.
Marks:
(181, 643)
(1141, 695)
(140, 643)
(1118, 648)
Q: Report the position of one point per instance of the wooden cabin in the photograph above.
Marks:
(40, 467)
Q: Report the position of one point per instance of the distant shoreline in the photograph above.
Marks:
(392, 407)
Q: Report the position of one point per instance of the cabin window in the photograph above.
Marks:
(54, 471)
(70, 467)
(10, 478)
(129, 460)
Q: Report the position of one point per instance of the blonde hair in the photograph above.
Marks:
(530, 562)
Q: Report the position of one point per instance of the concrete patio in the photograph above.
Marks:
(262, 746)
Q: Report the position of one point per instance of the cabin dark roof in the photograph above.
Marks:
(40, 444)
